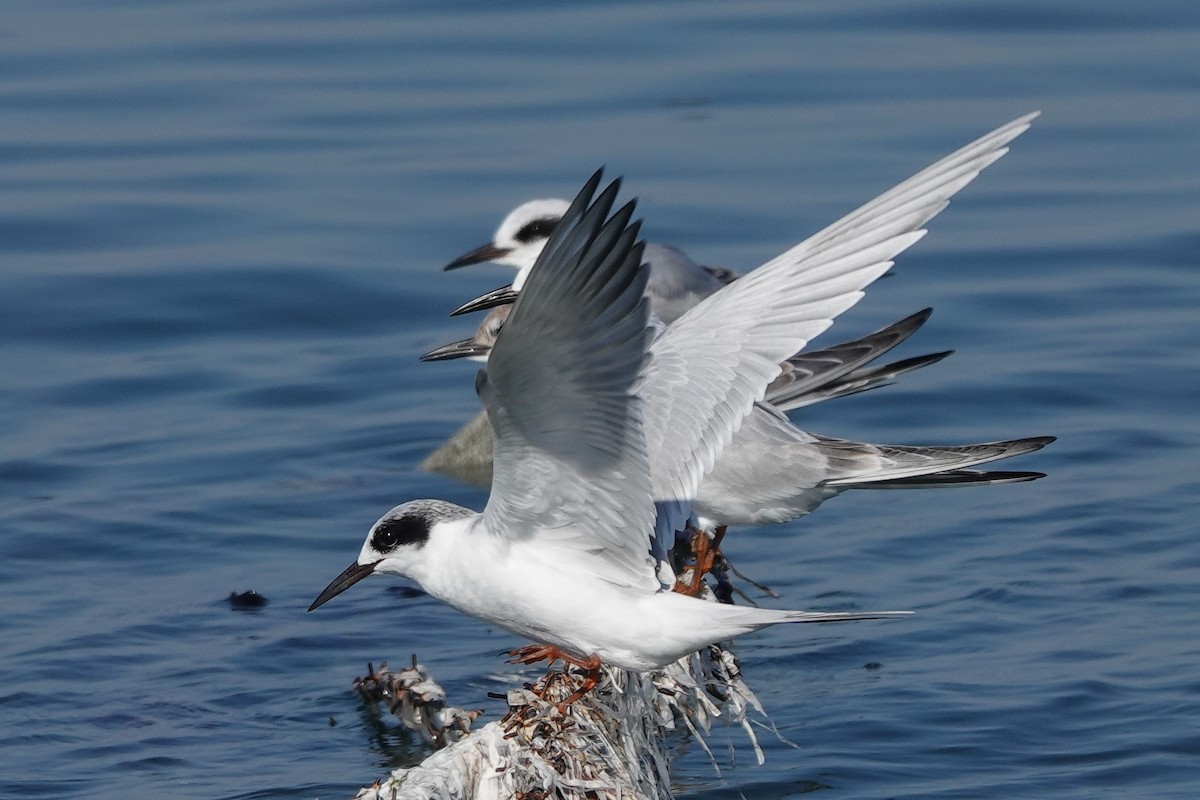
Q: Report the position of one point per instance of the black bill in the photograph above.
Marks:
(496, 297)
(464, 348)
(488, 252)
(352, 575)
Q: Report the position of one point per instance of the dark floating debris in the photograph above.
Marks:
(246, 600)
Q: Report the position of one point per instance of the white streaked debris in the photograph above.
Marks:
(617, 741)
(418, 701)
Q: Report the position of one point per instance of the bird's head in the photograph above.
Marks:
(520, 237)
(395, 544)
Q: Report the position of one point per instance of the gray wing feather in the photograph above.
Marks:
(864, 464)
(865, 379)
(832, 371)
(569, 453)
(709, 368)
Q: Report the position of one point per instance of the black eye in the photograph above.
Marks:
(538, 229)
(393, 533)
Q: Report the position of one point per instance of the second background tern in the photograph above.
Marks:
(771, 471)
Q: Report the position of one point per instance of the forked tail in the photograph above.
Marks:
(732, 620)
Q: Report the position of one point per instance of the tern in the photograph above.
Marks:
(772, 471)
(677, 283)
(806, 377)
(602, 432)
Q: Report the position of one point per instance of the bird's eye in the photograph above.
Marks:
(392, 533)
(537, 229)
(385, 540)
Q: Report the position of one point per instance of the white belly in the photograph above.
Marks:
(550, 598)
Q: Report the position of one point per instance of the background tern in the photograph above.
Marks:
(772, 471)
(806, 377)
(677, 283)
(602, 434)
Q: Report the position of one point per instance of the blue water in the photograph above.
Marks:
(221, 225)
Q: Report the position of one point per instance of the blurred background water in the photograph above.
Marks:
(221, 227)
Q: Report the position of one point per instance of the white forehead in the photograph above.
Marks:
(526, 213)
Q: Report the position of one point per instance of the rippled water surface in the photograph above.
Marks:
(221, 227)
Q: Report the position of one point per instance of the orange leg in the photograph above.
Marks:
(706, 554)
(533, 653)
(591, 677)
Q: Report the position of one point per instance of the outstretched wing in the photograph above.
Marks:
(710, 367)
(570, 463)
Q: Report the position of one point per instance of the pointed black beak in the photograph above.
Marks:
(496, 297)
(352, 575)
(487, 252)
(464, 348)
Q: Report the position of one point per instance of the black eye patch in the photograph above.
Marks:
(400, 531)
(538, 229)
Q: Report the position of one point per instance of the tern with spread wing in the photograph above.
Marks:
(603, 433)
